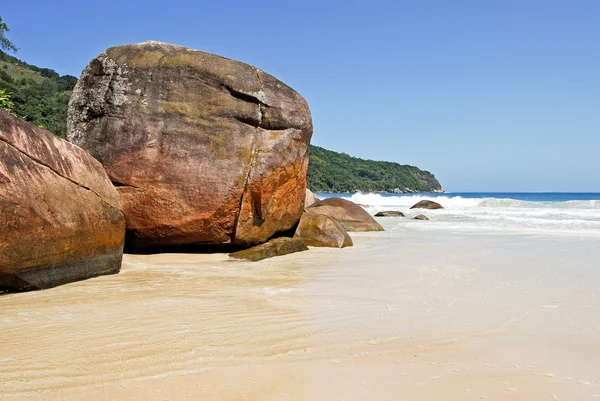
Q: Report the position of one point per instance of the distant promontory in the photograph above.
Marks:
(330, 171)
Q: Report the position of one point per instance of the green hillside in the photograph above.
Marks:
(330, 171)
(41, 96)
(38, 95)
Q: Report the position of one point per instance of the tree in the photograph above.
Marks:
(5, 103)
(6, 44)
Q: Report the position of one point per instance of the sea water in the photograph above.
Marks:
(496, 297)
(576, 214)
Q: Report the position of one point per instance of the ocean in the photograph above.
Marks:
(552, 213)
(496, 297)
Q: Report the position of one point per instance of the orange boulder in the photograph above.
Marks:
(203, 149)
(60, 216)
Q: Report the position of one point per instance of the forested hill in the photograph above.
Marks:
(38, 95)
(330, 171)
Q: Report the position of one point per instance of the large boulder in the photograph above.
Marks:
(60, 217)
(322, 230)
(275, 247)
(350, 215)
(421, 217)
(203, 149)
(427, 204)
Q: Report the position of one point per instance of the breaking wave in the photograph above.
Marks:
(459, 202)
(544, 215)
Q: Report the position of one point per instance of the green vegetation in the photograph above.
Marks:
(330, 171)
(5, 103)
(38, 95)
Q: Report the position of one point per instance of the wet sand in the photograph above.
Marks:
(403, 315)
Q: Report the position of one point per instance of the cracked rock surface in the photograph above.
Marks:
(60, 216)
(203, 149)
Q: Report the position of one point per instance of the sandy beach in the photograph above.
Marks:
(407, 314)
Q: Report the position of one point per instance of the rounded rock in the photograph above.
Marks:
(427, 204)
(203, 149)
(350, 215)
(322, 231)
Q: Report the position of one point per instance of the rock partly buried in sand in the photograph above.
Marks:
(60, 217)
(351, 216)
(203, 149)
(389, 213)
(421, 217)
(427, 204)
(275, 247)
(310, 198)
(322, 230)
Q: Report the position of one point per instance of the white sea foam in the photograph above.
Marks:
(458, 202)
(570, 217)
(369, 199)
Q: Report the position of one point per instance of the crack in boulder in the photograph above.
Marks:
(40, 162)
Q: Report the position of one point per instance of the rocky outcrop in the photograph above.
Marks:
(427, 204)
(275, 247)
(323, 231)
(421, 217)
(310, 198)
(427, 180)
(350, 215)
(389, 213)
(203, 149)
(60, 217)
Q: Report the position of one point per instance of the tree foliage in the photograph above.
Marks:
(5, 44)
(5, 102)
(38, 95)
(330, 171)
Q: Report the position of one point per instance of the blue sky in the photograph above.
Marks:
(488, 95)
